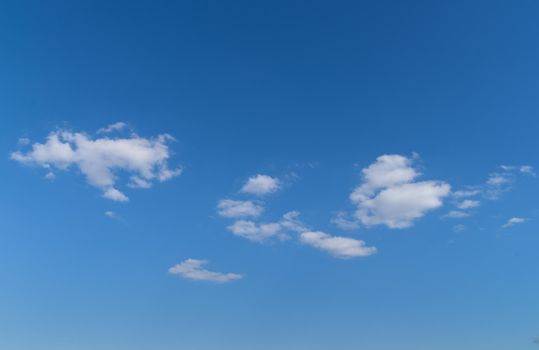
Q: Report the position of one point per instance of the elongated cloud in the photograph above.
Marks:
(513, 222)
(259, 232)
(260, 185)
(390, 195)
(229, 208)
(101, 159)
(344, 221)
(193, 269)
(254, 231)
(468, 204)
(113, 127)
(340, 247)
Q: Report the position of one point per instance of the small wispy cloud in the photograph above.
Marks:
(193, 269)
(527, 169)
(112, 127)
(254, 231)
(465, 193)
(459, 228)
(23, 141)
(344, 221)
(259, 232)
(514, 221)
(110, 214)
(456, 214)
(339, 247)
(468, 204)
(229, 208)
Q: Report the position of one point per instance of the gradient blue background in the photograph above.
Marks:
(252, 87)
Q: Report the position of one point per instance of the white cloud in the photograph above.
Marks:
(389, 195)
(193, 269)
(459, 228)
(343, 221)
(340, 247)
(234, 209)
(497, 180)
(514, 221)
(255, 232)
(101, 159)
(110, 214)
(23, 141)
(261, 184)
(138, 182)
(465, 193)
(496, 184)
(50, 176)
(456, 214)
(291, 222)
(527, 169)
(261, 232)
(112, 127)
(115, 195)
(468, 204)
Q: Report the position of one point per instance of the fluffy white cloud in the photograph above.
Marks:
(193, 269)
(468, 204)
(340, 247)
(110, 214)
(389, 194)
(235, 209)
(514, 221)
(101, 159)
(261, 184)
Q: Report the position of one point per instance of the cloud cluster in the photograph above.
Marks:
(390, 195)
(495, 185)
(102, 159)
(500, 181)
(193, 269)
(288, 224)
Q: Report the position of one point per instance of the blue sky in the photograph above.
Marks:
(269, 175)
